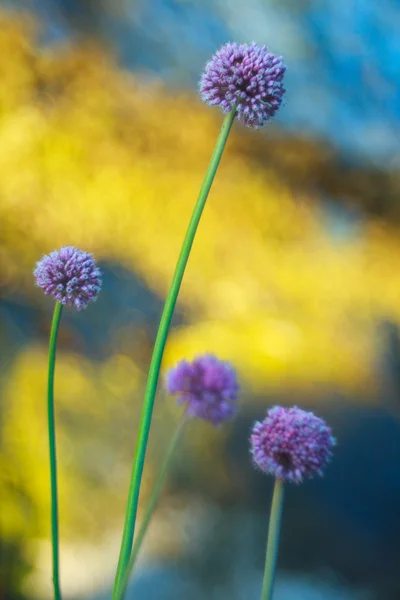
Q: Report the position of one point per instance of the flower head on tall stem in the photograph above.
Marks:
(291, 444)
(207, 386)
(246, 77)
(69, 275)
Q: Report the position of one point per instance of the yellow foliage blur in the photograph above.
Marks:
(94, 156)
(89, 397)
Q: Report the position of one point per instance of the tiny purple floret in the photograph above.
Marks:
(246, 76)
(69, 275)
(208, 387)
(291, 444)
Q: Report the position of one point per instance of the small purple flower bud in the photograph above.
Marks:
(69, 275)
(207, 386)
(247, 77)
(291, 444)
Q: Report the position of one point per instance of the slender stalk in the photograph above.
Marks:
(273, 540)
(153, 501)
(155, 364)
(52, 447)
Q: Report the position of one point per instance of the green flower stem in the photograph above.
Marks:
(52, 447)
(273, 540)
(155, 364)
(153, 500)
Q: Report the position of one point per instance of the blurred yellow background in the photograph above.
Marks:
(94, 156)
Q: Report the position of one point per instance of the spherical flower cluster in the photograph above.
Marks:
(69, 275)
(291, 444)
(247, 77)
(207, 386)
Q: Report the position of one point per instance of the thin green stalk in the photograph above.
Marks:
(153, 501)
(52, 447)
(155, 364)
(273, 540)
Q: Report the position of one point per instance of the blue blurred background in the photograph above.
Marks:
(294, 277)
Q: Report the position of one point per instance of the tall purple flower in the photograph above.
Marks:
(208, 387)
(69, 275)
(246, 76)
(291, 444)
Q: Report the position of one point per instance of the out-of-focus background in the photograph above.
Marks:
(294, 277)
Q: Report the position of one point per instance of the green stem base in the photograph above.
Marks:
(151, 506)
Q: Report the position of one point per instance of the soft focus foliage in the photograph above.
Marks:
(89, 397)
(93, 156)
(89, 158)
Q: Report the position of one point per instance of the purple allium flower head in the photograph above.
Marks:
(208, 387)
(69, 275)
(291, 444)
(246, 76)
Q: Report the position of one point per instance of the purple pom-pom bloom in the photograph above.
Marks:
(70, 276)
(246, 76)
(291, 444)
(208, 387)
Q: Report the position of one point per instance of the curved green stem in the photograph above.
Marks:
(155, 364)
(153, 500)
(52, 447)
(273, 540)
